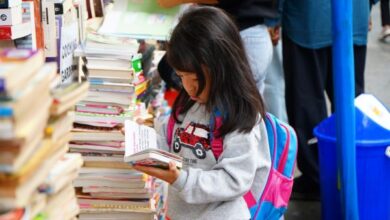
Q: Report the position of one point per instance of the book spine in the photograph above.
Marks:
(140, 208)
(50, 32)
(5, 32)
(59, 22)
(6, 112)
(2, 86)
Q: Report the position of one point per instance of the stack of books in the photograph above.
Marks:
(12, 25)
(35, 123)
(117, 194)
(107, 187)
(58, 184)
(26, 156)
(61, 197)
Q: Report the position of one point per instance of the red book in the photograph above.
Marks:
(11, 32)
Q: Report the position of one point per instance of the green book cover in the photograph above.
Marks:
(141, 19)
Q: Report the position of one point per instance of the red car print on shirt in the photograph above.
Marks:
(194, 136)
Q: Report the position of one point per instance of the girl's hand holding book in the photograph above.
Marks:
(169, 175)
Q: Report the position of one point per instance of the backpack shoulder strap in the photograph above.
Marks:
(216, 141)
(283, 144)
(272, 136)
(170, 126)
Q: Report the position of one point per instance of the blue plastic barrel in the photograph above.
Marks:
(372, 167)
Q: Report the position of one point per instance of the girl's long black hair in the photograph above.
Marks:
(206, 37)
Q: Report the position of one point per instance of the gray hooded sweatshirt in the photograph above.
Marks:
(213, 189)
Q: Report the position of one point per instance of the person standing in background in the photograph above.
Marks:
(274, 82)
(249, 16)
(307, 61)
(273, 95)
(385, 18)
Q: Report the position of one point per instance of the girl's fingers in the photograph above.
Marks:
(148, 170)
(172, 166)
(170, 175)
(153, 171)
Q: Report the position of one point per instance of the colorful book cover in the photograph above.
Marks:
(143, 19)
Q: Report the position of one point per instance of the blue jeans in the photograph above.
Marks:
(258, 46)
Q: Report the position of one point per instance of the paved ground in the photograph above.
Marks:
(377, 83)
(378, 62)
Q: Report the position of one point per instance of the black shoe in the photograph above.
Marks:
(304, 189)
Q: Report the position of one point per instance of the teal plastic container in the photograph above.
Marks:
(372, 167)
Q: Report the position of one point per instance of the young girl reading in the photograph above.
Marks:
(207, 53)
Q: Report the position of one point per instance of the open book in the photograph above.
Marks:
(141, 147)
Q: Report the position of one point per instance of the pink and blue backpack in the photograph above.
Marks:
(283, 148)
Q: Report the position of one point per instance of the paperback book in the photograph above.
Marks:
(141, 147)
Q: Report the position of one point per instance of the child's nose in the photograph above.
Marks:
(190, 87)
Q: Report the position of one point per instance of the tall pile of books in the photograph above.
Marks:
(58, 184)
(26, 157)
(108, 188)
(35, 171)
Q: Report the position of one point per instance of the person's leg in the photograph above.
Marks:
(360, 64)
(274, 85)
(258, 48)
(385, 17)
(305, 77)
(385, 12)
